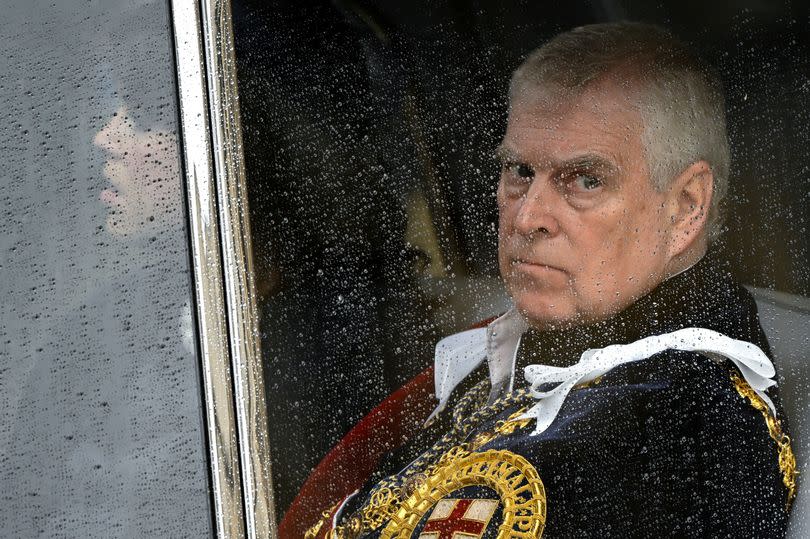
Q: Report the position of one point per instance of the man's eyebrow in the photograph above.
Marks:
(588, 160)
(505, 154)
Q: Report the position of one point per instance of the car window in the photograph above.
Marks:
(370, 133)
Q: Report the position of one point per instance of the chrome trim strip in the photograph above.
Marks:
(209, 288)
(238, 268)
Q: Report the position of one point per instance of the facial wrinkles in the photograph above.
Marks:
(597, 240)
(547, 148)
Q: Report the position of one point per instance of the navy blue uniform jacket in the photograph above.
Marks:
(670, 446)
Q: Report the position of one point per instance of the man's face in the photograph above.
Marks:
(583, 232)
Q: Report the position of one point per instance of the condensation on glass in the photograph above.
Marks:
(102, 428)
(369, 131)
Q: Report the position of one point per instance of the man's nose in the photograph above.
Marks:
(536, 215)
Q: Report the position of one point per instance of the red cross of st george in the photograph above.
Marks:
(455, 522)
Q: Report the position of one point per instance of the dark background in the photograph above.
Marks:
(348, 108)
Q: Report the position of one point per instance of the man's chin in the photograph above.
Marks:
(546, 313)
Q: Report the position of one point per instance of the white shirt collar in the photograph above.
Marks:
(503, 338)
(460, 354)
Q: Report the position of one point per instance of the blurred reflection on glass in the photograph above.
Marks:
(101, 431)
(141, 166)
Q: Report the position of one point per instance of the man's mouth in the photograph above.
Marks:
(534, 265)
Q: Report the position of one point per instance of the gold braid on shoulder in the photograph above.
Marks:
(787, 460)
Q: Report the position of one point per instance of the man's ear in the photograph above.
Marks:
(690, 197)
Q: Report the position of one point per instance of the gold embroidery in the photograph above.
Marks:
(482, 439)
(312, 533)
(381, 507)
(387, 497)
(595, 382)
(512, 423)
(787, 460)
(385, 501)
(513, 478)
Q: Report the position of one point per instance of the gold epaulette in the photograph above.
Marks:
(787, 460)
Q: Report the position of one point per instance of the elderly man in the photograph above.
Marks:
(629, 392)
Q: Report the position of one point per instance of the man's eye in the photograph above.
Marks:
(586, 182)
(522, 170)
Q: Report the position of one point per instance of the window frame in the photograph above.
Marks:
(219, 228)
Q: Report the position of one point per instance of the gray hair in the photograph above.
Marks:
(681, 98)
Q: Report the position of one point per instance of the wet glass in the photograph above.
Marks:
(102, 432)
(370, 130)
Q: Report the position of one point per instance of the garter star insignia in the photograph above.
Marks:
(468, 495)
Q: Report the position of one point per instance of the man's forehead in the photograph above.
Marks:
(605, 102)
(612, 91)
(601, 121)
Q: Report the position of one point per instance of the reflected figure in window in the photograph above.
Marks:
(143, 199)
(630, 390)
(142, 167)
